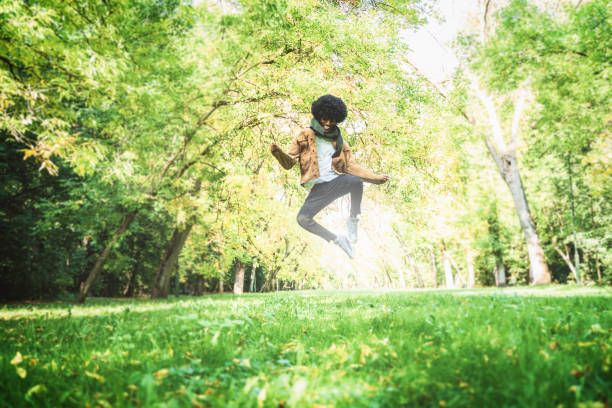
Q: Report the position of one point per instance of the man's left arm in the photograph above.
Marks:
(356, 170)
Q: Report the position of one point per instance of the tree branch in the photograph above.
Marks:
(439, 91)
(11, 66)
(498, 138)
(519, 107)
(567, 260)
(484, 22)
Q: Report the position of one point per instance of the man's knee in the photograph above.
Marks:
(354, 181)
(304, 220)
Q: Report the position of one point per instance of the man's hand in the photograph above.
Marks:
(273, 147)
(382, 180)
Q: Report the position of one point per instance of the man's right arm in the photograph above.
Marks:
(287, 160)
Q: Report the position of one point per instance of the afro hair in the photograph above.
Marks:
(329, 107)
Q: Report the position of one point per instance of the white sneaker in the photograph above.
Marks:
(344, 243)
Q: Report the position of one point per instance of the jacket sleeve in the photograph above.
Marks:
(356, 170)
(288, 160)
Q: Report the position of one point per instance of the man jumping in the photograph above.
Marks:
(328, 170)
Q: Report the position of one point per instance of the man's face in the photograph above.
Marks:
(328, 125)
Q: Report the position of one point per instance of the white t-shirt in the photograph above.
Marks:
(325, 151)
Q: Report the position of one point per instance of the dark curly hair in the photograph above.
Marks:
(329, 107)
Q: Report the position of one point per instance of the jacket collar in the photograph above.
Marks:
(335, 135)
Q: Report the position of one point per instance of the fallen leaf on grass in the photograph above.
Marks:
(95, 376)
(17, 359)
(580, 373)
(161, 374)
(365, 352)
(35, 390)
(596, 328)
(104, 403)
(21, 372)
(245, 362)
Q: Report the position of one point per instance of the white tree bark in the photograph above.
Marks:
(448, 272)
(470, 266)
(239, 280)
(500, 272)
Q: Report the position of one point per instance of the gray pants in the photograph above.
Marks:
(322, 195)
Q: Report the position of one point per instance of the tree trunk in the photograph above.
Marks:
(129, 290)
(199, 285)
(568, 261)
(459, 282)
(267, 286)
(597, 265)
(500, 270)
(470, 265)
(168, 262)
(448, 272)
(417, 272)
(508, 169)
(239, 280)
(254, 277)
(434, 267)
(97, 268)
(402, 278)
(221, 284)
(390, 282)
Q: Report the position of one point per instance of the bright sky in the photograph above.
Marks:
(431, 58)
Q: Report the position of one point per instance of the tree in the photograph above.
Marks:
(503, 154)
(562, 52)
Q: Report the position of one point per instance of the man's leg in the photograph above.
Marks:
(318, 198)
(324, 194)
(355, 186)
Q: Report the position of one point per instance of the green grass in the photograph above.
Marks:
(514, 347)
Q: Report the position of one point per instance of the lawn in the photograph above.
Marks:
(485, 347)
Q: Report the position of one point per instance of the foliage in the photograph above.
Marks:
(41, 246)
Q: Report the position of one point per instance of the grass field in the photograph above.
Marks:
(522, 347)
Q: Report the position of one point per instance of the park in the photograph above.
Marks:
(315, 203)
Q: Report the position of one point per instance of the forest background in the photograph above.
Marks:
(135, 145)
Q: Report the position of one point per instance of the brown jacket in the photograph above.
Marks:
(304, 149)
